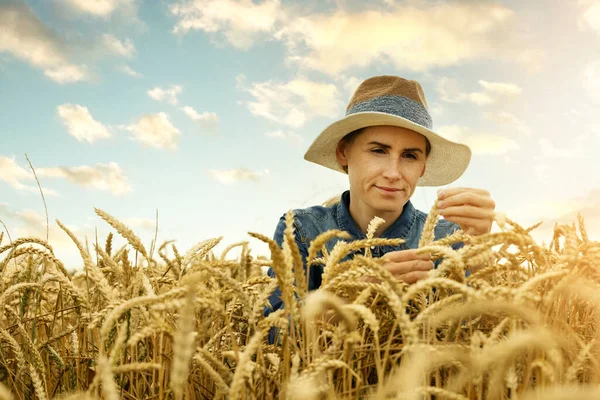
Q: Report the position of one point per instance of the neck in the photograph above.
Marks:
(362, 214)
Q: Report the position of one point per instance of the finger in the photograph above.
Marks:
(405, 255)
(469, 198)
(413, 277)
(408, 266)
(397, 268)
(444, 193)
(369, 279)
(423, 256)
(400, 255)
(468, 212)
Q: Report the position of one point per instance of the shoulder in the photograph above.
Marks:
(317, 212)
(316, 217)
(311, 221)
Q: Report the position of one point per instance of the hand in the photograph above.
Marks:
(471, 209)
(407, 265)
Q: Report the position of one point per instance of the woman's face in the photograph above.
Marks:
(384, 166)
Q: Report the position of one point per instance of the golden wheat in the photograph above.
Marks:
(523, 325)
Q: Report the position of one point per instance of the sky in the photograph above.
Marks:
(200, 111)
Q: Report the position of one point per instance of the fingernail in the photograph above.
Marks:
(440, 204)
(441, 193)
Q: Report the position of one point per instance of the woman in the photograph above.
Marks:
(386, 146)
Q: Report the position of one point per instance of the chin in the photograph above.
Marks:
(387, 206)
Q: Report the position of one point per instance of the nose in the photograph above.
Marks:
(392, 169)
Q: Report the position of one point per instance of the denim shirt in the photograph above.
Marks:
(311, 222)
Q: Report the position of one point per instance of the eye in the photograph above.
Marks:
(378, 151)
(411, 156)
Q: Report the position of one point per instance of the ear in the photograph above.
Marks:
(340, 153)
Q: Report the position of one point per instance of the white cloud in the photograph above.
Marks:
(550, 152)
(30, 223)
(208, 118)
(146, 224)
(155, 130)
(14, 175)
(590, 15)
(511, 161)
(106, 177)
(292, 103)
(241, 21)
(236, 175)
(352, 84)
(436, 110)
(27, 222)
(490, 144)
(100, 8)
(590, 79)
(450, 92)
(561, 211)
(481, 99)
(348, 83)
(276, 134)
(584, 117)
(533, 60)
(503, 116)
(208, 121)
(168, 95)
(501, 88)
(31, 219)
(115, 46)
(541, 171)
(67, 73)
(140, 223)
(127, 70)
(510, 119)
(588, 205)
(4, 209)
(416, 37)
(80, 123)
(288, 136)
(195, 116)
(480, 144)
(25, 37)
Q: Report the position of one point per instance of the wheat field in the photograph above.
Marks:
(161, 323)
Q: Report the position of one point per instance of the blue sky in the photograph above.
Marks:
(203, 109)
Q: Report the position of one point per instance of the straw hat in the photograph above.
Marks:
(391, 100)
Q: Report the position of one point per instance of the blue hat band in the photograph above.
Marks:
(399, 106)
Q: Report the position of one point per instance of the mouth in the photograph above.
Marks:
(388, 189)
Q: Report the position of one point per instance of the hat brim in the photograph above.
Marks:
(446, 163)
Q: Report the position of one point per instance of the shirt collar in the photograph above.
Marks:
(399, 229)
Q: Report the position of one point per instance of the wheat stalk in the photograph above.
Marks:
(523, 325)
(124, 231)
